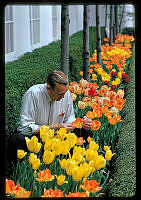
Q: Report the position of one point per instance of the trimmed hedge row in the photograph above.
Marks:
(123, 179)
(33, 68)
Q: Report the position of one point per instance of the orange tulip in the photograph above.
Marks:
(80, 140)
(44, 176)
(52, 193)
(104, 109)
(78, 123)
(77, 194)
(18, 191)
(91, 186)
(91, 114)
(22, 193)
(96, 125)
(11, 188)
(113, 120)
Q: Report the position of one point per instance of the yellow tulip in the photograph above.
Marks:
(108, 155)
(48, 144)
(72, 139)
(48, 156)
(32, 144)
(21, 154)
(61, 180)
(57, 146)
(65, 147)
(91, 155)
(92, 164)
(100, 162)
(107, 148)
(70, 164)
(93, 146)
(62, 132)
(80, 150)
(44, 133)
(36, 164)
(77, 173)
(32, 157)
(77, 157)
(86, 168)
(63, 163)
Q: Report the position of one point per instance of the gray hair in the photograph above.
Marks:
(57, 77)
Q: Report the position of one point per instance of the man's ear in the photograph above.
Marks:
(48, 86)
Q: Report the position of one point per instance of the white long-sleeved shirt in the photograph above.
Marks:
(38, 109)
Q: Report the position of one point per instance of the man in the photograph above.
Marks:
(45, 104)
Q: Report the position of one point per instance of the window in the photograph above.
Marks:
(9, 38)
(34, 14)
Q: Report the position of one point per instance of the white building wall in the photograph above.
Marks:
(76, 18)
(21, 30)
(46, 35)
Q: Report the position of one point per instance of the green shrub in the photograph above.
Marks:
(129, 31)
(33, 68)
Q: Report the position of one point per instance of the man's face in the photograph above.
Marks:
(58, 92)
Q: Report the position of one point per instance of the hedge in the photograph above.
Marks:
(33, 68)
(123, 179)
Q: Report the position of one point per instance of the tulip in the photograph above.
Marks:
(108, 155)
(77, 157)
(21, 154)
(36, 163)
(91, 186)
(91, 155)
(72, 139)
(44, 176)
(44, 133)
(77, 173)
(92, 165)
(52, 193)
(78, 194)
(32, 144)
(70, 164)
(65, 147)
(22, 193)
(63, 163)
(100, 162)
(48, 156)
(95, 125)
(62, 132)
(32, 157)
(86, 168)
(61, 180)
(57, 146)
(93, 146)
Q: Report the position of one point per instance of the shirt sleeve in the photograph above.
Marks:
(69, 116)
(28, 112)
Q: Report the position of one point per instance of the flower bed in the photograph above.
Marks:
(59, 164)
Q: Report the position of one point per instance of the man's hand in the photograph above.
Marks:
(69, 127)
(87, 123)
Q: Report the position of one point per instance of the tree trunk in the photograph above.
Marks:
(86, 53)
(121, 18)
(65, 39)
(98, 31)
(111, 26)
(116, 19)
